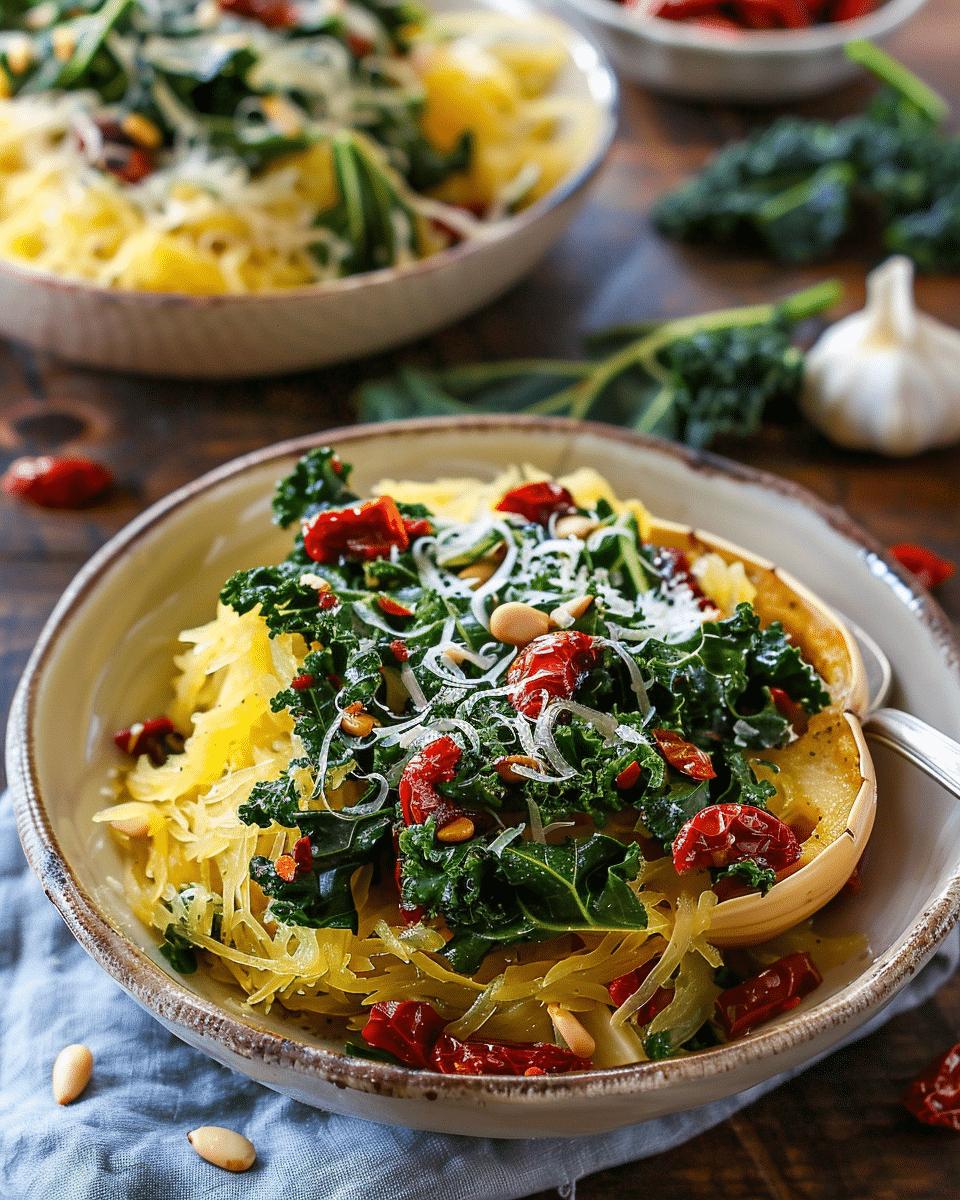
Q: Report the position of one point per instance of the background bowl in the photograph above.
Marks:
(298, 328)
(755, 66)
(105, 656)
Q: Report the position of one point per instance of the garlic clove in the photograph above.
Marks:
(886, 378)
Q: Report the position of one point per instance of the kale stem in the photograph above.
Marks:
(897, 76)
(580, 396)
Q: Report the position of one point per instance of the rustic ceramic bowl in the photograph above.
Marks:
(753, 66)
(299, 328)
(105, 653)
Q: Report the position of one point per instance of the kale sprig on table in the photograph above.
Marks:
(710, 683)
(794, 189)
(689, 380)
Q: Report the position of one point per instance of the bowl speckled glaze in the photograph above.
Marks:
(105, 653)
(756, 66)
(267, 333)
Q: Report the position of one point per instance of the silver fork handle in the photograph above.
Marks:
(919, 743)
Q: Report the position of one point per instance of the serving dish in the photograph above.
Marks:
(753, 66)
(160, 575)
(224, 336)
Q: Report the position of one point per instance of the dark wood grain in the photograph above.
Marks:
(837, 1132)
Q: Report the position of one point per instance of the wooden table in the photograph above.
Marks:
(837, 1131)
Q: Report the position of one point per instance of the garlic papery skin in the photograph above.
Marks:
(886, 378)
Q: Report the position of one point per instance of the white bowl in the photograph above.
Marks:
(161, 574)
(299, 328)
(755, 66)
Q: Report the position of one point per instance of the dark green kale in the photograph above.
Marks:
(750, 873)
(319, 899)
(691, 380)
(796, 188)
(178, 950)
(319, 480)
(658, 1046)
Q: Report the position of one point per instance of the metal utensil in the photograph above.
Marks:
(919, 743)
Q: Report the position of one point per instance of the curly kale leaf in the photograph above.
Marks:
(506, 891)
(750, 873)
(319, 480)
(664, 814)
(178, 950)
(319, 899)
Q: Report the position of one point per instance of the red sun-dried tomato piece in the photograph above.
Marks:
(625, 986)
(684, 756)
(451, 1056)
(928, 567)
(626, 778)
(399, 650)
(362, 531)
(776, 990)
(157, 738)
(393, 608)
(303, 853)
(553, 667)
(729, 833)
(300, 683)
(408, 1029)
(934, 1096)
(274, 14)
(434, 763)
(537, 502)
(56, 482)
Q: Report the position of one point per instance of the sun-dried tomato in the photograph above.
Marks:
(275, 14)
(157, 738)
(399, 650)
(934, 1096)
(434, 763)
(684, 756)
(359, 46)
(553, 667)
(417, 527)
(928, 567)
(537, 502)
(776, 990)
(300, 683)
(391, 607)
(408, 1029)
(303, 854)
(729, 833)
(362, 531)
(56, 482)
(451, 1056)
(788, 708)
(626, 778)
(625, 986)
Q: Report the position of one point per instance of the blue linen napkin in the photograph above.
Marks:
(125, 1138)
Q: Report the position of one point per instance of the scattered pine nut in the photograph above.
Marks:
(71, 1072)
(517, 623)
(20, 55)
(575, 525)
(478, 572)
(565, 614)
(141, 129)
(573, 1033)
(504, 767)
(459, 830)
(224, 1148)
(64, 42)
(358, 724)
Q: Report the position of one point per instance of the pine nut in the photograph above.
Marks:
(574, 609)
(504, 767)
(576, 526)
(64, 43)
(20, 56)
(358, 724)
(71, 1073)
(479, 572)
(224, 1148)
(459, 830)
(283, 115)
(141, 129)
(133, 827)
(518, 624)
(308, 579)
(572, 1032)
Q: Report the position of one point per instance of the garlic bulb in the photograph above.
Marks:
(888, 377)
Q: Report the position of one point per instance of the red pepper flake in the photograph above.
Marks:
(303, 854)
(776, 990)
(687, 758)
(327, 600)
(417, 527)
(399, 650)
(157, 738)
(628, 776)
(934, 1096)
(788, 708)
(537, 502)
(392, 607)
(286, 867)
(302, 682)
(56, 482)
(336, 464)
(928, 567)
(722, 834)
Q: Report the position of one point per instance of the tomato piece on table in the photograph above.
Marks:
(56, 482)
(363, 531)
(934, 1096)
(776, 990)
(723, 834)
(538, 502)
(928, 567)
(553, 667)
(687, 758)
